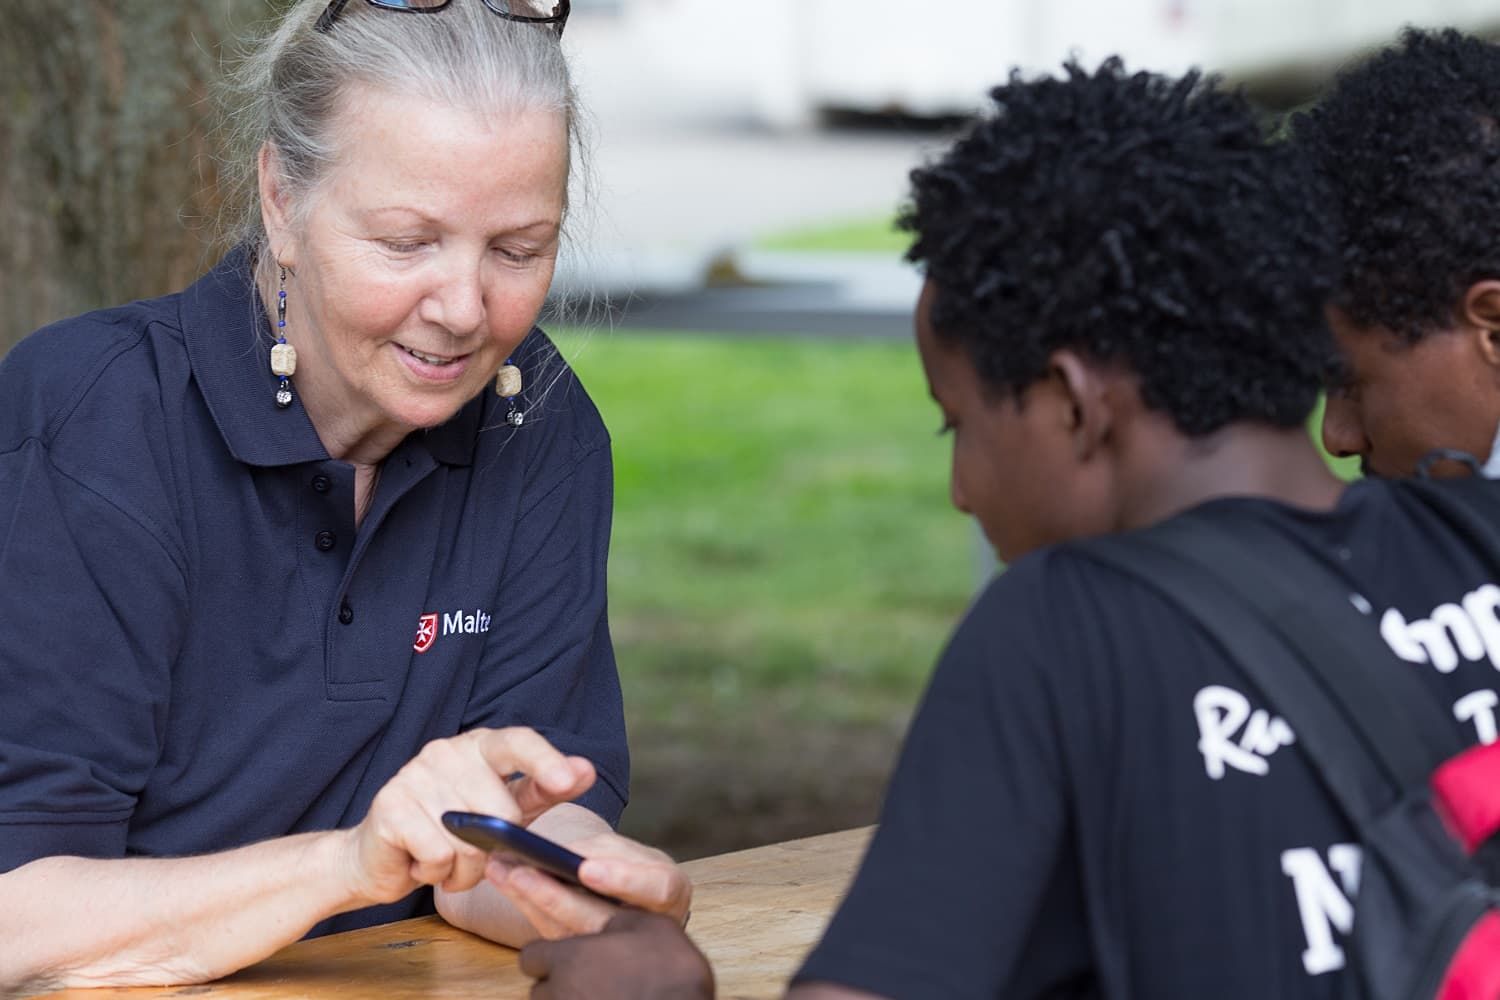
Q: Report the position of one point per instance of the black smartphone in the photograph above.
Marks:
(493, 834)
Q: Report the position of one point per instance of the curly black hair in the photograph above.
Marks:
(1409, 143)
(1139, 220)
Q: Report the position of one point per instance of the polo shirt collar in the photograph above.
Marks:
(228, 342)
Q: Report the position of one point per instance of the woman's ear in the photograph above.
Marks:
(275, 209)
(1480, 312)
(1088, 409)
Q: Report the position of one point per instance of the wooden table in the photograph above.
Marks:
(755, 913)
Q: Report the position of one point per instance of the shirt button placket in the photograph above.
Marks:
(325, 540)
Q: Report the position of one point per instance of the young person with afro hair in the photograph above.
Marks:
(1409, 144)
(1122, 320)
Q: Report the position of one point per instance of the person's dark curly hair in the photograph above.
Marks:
(1409, 143)
(1138, 220)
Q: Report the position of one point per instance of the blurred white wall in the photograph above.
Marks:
(780, 61)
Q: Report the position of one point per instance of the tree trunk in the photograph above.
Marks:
(108, 168)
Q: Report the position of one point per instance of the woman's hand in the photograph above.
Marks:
(402, 844)
(616, 866)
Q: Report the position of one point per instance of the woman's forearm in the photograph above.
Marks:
(146, 921)
(68, 921)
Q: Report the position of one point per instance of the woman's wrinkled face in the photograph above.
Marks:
(421, 260)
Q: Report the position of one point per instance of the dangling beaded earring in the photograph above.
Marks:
(508, 387)
(283, 355)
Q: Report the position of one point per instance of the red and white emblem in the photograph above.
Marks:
(426, 633)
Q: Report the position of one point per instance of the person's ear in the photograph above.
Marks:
(1480, 311)
(1088, 412)
(275, 206)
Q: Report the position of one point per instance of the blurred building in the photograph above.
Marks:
(784, 62)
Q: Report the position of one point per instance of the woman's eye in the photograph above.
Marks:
(947, 427)
(402, 246)
(516, 256)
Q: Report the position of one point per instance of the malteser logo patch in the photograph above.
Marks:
(426, 632)
(474, 622)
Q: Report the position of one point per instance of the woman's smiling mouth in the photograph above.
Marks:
(433, 367)
(431, 359)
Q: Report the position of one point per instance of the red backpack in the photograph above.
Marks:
(1427, 914)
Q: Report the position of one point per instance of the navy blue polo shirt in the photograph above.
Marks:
(199, 649)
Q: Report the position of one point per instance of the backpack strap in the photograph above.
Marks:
(1259, 594)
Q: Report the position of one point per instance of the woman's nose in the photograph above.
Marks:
(456, 303)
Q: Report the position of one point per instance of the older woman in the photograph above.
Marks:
(284, 580)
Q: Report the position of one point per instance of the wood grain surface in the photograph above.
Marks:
(755, 913)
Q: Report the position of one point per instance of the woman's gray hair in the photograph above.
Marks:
(287, 89)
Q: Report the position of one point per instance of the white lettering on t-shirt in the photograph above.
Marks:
(1469, 630)
(1321, 905)
(1478, 707)
(1483, 605)
(1221, 711)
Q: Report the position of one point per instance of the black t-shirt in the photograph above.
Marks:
(1092, 801)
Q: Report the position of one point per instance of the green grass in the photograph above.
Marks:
(865, 235)
(783, 538)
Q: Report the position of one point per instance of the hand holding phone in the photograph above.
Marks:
(509, 840)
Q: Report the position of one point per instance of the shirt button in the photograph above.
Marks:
(346, 614)
(325, 540)
(322, 484)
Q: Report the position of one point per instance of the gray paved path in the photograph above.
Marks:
(683, 185)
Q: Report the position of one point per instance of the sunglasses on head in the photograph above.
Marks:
(526, 11)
